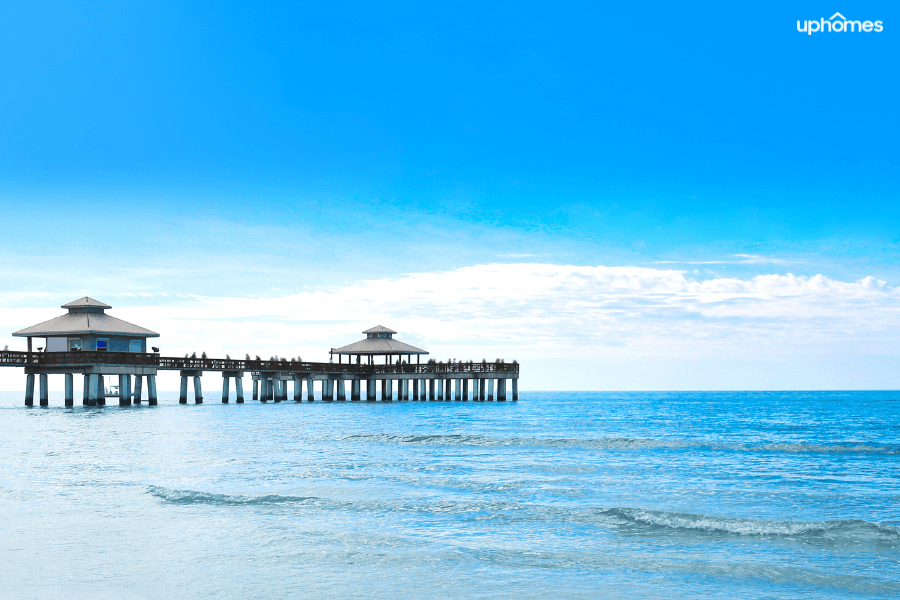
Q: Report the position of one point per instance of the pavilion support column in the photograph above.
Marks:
(431, 390)
(328, 385)
(465, 390)
(92, 389)
(85, 390)
(354, 390)
(198, 391)
(137, 389)
(70, 394)
(440, 390)
(182, 394)
(490, 394)
(101, 391)
(239, 388)
(225, 390)
(122, 391)
(389, 390)
(457, 396)
(151, 390)
(298, 390)
(515, 390)
(276, 389)
(125, 381)
(415, 393)
(45, 393)
(310, 393)
(370, 390)
(29, 390)
(403, 392)
(256, 389)
(501, 390)
(341, 390)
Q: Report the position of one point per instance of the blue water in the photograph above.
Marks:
(562, 495)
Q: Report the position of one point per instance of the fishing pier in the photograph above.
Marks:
(94, 345)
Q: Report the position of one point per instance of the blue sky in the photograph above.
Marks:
(228, 150)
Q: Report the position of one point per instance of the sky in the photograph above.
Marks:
(619, 196)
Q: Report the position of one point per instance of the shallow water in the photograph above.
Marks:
(565, 495)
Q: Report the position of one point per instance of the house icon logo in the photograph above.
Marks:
(838, 23)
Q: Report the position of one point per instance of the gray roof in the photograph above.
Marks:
(379, 329)
(85, 301)
(378, 346)
(85, 324)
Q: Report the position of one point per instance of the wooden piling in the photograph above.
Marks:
(151, 390)
(198, 391)
(70, 390)
(44, 392)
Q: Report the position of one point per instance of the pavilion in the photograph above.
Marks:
(379, 341)
(87, 327)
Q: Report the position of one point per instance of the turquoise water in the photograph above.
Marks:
(563, 495)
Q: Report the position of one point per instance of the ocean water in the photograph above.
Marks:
(561, 495)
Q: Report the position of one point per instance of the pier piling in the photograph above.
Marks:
(225, 390)
(45, 393)
(138, 388)
(70, 390)
(151, 390)
(29, 390)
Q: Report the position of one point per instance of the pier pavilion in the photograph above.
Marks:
(72, 343)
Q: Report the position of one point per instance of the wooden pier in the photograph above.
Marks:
(432, 382)
(89, 342)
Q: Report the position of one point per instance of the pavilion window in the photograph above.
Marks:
(102, 345)
(135, 346)
(75, 344)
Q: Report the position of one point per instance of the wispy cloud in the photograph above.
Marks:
(737, 259)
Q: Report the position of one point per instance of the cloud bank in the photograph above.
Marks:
(547, 316)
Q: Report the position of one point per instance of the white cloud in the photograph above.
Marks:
(544, 314)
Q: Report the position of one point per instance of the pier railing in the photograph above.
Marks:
(9, 358)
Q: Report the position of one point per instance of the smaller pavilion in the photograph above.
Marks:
(379, 341)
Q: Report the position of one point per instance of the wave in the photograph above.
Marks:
(192, 497)
(621, 519)
(855, 530)
(623, 443)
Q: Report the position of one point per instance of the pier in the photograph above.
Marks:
(93, 345)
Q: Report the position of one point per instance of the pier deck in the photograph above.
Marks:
(435, 381)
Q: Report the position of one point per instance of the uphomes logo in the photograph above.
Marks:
(838, 23)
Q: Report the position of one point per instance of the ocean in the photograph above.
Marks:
(561, 495)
